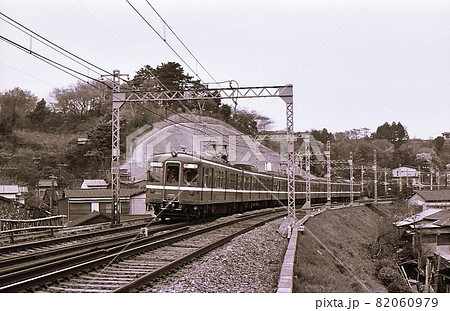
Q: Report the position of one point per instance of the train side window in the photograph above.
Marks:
(190, 173)
(239, 181)
(219, 179)
(205, 177)
(172, 173)
(231, 184)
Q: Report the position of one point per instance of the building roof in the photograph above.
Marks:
(9, 189)
(434, 195)
(7, 200)
(98, 193)
(89, 219)
(401, 168)
(94, 183)
(429, 219)
(417, 217)
(442, 214)
(23, 189)
(43, 183)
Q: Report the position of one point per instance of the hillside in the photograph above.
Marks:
(333, 255)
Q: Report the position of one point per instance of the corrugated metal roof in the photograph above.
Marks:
(94, 182)
(99, 193)
(44, 183)
(9, 189)
(442, 214)
(417, 217)
(431, 218)
(435, 195)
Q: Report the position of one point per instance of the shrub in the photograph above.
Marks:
(387, 275)
(384, 263)
(398, 286)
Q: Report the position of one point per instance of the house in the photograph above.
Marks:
(428, 234)
(82, 140)
(94, 184)
(13, 192)
(405, 176)
(430, 199)
(78, 203)
(12, 209)
(44, 184)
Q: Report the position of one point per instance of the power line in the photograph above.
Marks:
(151, 73)
(79, 60)
(178, 38)
(162, 38)
(53, 63)
(27, 74)
(332, 41)
(327, 46)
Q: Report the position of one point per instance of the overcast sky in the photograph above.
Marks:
(353, 64)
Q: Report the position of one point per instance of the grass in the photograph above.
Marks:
(44, 140)
(333, 255)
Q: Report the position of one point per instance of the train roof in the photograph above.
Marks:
(186, 157)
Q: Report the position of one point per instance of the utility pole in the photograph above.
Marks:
(362, 181)
(438, 179)
(350, 162)
(431, 176)
(385, 182)
(375, 180)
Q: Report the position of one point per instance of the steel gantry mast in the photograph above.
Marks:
(115, 149)
(307, 204)
(328, 155)
(119, 98)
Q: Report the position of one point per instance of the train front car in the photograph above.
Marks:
(173, 185)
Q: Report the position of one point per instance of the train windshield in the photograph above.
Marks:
(190, 173)
(172, 173)
(155, 172)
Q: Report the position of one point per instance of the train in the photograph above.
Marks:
(185, 186)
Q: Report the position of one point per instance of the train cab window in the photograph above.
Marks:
(155, 172)
(172, 173)
(190, 173)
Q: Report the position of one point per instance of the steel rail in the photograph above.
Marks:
(37, 274)
(34, 277)
(176, 263)
(24, 246)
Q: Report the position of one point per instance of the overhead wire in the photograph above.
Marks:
(79, 60)
(162, 38)
(53, 63)
(327, 46)
(165, 41)
(178, 38)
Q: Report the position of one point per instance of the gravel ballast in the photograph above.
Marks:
(249, 263)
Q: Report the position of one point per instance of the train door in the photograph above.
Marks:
(172, 181)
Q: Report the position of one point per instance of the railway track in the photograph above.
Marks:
(124, 268)
(24, 249)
